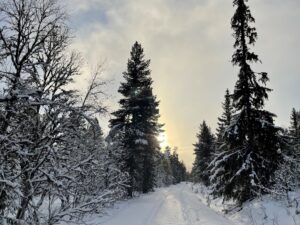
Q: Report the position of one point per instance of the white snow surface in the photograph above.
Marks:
(189, 204)
(266, 210)
(174, 205)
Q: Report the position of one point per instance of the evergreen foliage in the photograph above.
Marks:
(294, 129)
(223, 123)
(204, 151)
(138, 119)
(178, 168)
(164, 176)
(170, 170)
(287, 175)
(245, 170)
(56, 165)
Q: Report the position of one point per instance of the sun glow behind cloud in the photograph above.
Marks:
(163, 140)
(190, 45)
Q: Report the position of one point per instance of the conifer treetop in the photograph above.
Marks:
(250, 89)
(244, 34)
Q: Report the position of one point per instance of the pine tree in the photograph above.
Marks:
(204, 150)
(224, 122)
(138, 117)
(246, 169)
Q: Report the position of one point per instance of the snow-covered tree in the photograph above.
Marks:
(34, 74)
(138, 118)
(116, 175)
(85, 164)
(287, 176)
(178, 167)
(294, 130)
(243, 171)
(164, 175)
(204, 151)
(51, 151)
(224, 122)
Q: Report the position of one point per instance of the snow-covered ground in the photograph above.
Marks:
(188, 204)
(264, 211)
(175, 205)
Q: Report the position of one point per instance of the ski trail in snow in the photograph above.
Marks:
(155, 211)
(175, 205)
(171, 211)
(197, 213)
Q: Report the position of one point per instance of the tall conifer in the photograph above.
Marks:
(224, 122)
(294, 129)
(204, 149)
(137, 118)
(246, 169)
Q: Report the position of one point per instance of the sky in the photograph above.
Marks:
(190, 46)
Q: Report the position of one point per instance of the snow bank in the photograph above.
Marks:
(265, 211)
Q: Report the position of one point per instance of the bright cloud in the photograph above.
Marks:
(190, 45)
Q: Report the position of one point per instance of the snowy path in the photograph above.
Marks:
(175, 205)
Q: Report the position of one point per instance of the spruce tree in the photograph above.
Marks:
(204, 150)
(294, 129)
(167, 166)
(164, 176)
(287, 175)
(246, 169)
(137, 118)
(177, 167)
(224, 122)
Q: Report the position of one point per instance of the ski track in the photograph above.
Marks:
(175, 205)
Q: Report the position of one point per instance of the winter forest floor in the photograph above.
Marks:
(187, 204)
(174, 205)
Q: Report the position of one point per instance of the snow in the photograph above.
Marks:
(141, 141)
(175, 205)
(189, 204)
(265, 211)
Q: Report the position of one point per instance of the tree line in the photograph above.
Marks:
(55, 162)
(248, 156)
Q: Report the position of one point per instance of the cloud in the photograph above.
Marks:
(190, 45)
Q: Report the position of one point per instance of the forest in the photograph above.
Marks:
(58, 165)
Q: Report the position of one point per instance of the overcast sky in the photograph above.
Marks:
(189, 43)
